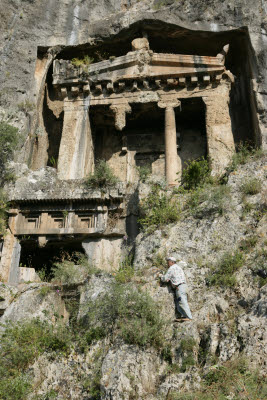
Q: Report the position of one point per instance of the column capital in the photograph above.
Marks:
(169, 103)
(120, 111)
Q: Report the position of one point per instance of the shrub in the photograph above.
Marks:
(187, 344)
(126, 271)
(86, 60)
(245, 152)
(44, 291)
(223, 274)
(129, 314)
(209, 199)
(233, 380)
(102, 177)
(3, 215)
(158, 209)
(8, 142)
(162, 3)
(188, 361)
(91, 383)
(196, 173)
(144, 172)
(68, 271)
(21, 343)
(26, 106)
(247, 208)
(15, 387)
(251, 186)
(159, 260)
(187, 347)
(248, 243)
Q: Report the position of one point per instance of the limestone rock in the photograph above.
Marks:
(32, 301)
(128, 371)
(7, 295)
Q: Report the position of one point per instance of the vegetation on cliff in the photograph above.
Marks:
(102, 177)
(8, 142)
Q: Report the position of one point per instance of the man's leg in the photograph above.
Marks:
(181, 302)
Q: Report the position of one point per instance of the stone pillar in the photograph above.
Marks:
(40, 147)
(173, 164)
(14, 273)
(220, 140)
(9, 264)
(76, 152)
(7, 252)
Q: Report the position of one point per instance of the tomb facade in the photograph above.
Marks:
(140, 78)
(142, 109)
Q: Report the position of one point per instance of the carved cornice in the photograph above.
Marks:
(141, 70)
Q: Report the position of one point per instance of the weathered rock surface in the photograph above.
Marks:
(130, 371)
(31, 301)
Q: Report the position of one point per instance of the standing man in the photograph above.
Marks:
(175, 275)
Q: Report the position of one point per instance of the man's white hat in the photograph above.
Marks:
(171, 259)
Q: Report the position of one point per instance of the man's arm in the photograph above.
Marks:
(166, 277)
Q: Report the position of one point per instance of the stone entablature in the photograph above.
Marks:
(61, 222)
(138, 70)
(80, 216)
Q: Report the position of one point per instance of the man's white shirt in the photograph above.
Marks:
(175, 274)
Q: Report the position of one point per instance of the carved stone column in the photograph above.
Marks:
(76, 152)
(9, 264)
(173, 165)
(220, 140)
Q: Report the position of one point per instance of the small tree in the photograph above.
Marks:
(8, 143)
(196, 173)
(102, 177)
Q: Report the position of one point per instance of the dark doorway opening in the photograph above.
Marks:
(43, 259)
(144, 135)
(191, 130)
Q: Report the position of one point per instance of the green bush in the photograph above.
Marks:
(245, 152)
(44, 291)
(102, 177)
(187, 346)
(144, 172)
(3, 215)
(15, 387)
(209, 199)
(126, 271)
(158, 209)
(86, 60)
(196, 173)
(248, 243)
(91, 383)
(251, 186)
(26, 106)
(233, 380)
(68, 271)
(223, 274)
(159, 260)
(8, 143)
(129, 314)
(21, 343)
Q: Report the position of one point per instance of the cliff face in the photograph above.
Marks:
(30, 28)
(120, 347)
